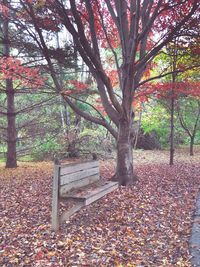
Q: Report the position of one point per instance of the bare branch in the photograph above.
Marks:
(88, 116)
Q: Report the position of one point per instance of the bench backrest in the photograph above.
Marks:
(77, 175)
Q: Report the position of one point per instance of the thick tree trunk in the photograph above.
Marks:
(191, 146)
(11, 161)
(124, 170)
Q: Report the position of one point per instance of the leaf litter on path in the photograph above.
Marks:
(148, 224)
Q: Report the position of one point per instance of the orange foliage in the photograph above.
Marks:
(12, 68)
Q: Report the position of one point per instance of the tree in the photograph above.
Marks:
(22, 83)
(189, 115)
(188, 106)
(11, 117)
(174, 55)
(133, 31)
(13, 75)
(179, 57)
(177, 50)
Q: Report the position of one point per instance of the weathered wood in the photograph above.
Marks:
(94, 194)
(55, 200)
(78, 175)
(66, 214)
(78, 184)
(75, 167)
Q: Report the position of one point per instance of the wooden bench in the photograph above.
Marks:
(79, 183)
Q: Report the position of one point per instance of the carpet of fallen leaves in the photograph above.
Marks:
(146, 225)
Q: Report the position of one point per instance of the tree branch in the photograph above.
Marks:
(89, 117)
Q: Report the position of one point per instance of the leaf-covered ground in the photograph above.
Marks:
(146, 225)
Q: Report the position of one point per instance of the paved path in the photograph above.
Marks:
(195, 237)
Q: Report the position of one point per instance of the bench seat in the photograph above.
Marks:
(93, 192)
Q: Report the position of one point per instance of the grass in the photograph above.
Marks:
(27, 158)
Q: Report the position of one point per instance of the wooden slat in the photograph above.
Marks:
(66, 214)
(97, 194)
(78, 184)
(76, 176)
(87, 199)
(93, 192)
(75, 167)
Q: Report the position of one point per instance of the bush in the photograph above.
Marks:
(46, 150)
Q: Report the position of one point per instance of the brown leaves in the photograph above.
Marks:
(146, 225)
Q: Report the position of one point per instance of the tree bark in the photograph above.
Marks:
(124, 170)
(174, 74)
(11, 161)
(191, 146)
(171, 159)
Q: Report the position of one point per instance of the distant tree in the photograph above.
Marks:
(181, 58)
(188, 109)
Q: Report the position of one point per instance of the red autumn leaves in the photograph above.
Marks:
(12, 68)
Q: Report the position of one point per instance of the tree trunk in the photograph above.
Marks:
(124, 170)
(191, 146)
(11, 161)
(171, 160)
(174, 53)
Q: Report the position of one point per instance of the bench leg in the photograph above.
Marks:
(55, 216)
(66, 214)
(55, 201)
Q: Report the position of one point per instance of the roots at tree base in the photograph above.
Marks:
(125, 180)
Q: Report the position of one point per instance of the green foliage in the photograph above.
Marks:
(46, 150)
(189, 109)
(156, 118)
